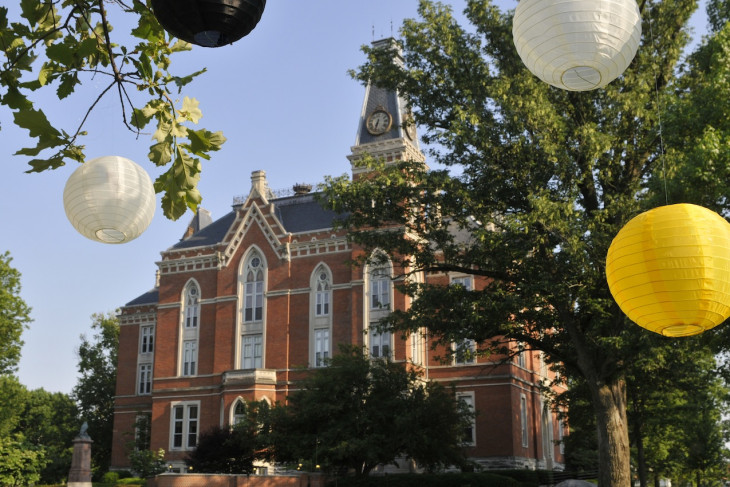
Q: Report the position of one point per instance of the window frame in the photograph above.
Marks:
(190, 358)
(144, 379)
(257, 360)
(254, 278)
(378, 339)
(147, 339)
(471, 402)
(186, 421)
(321, 346)
(524, 434)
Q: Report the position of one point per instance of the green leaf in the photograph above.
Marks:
(190, 110)
(203, 141)
(161, 153)
(36, 123)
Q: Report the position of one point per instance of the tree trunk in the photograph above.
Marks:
(614, 457)
(640, 458)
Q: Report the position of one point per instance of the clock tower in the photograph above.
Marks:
(386, 129)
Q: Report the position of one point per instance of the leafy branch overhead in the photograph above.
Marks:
(63, 44)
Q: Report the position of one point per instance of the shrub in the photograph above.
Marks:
(110, 478)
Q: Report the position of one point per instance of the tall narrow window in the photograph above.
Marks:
(320, 316)
(521, 358)
(147, 339)
(145, 379)
(523, 419)
(251, 352)
(190, 357)
(322, 305)
(254, 289)
(321, 347)
(184, 426)
(417, 343)
(192, 306)
(239, 412)
(469, 435)
(379, 289)
(379, 344)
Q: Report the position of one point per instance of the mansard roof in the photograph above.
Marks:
(209, 235)
(150, 297)
(303, 213)
(300, 213)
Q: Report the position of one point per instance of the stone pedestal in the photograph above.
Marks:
(80, 473)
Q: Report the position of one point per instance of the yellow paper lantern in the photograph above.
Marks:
(669, 269)
(109, 199)
(577, 45)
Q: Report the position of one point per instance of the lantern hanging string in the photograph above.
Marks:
(659, 118)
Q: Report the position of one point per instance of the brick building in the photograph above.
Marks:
(244, 301)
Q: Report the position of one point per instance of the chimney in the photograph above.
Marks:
(302, 188)
(259, 186)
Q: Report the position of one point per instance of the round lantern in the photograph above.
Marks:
(577, 45)
(669, 269)
(109, 199)
(208, 23)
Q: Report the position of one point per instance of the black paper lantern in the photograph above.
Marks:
(209, 23)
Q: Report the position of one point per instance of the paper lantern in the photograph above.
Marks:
(577, 45)
(208, 23)
(109, 199)
(669, 269)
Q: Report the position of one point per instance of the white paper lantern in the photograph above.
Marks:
(577, 45)
(109, 199)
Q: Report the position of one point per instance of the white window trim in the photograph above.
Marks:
(320, 323)
(139, 378)
(524, 422)
(245, 328)
(186, 425)
(253, 349)
(472, 403)
(194, 356)
(150, 345)
(472, 345)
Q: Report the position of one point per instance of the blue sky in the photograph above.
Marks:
(282, 97)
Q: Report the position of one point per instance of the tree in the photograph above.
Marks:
(20, 463)
(62, 45)
(234, 448)
(14, 316)
(357, 413)
(94, 391)
(542, 181)
(50, 421)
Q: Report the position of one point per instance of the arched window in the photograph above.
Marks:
(192, 305)
(253, 289)
(321, 316)
(239, 412)
(189, 332)
(322, 300)
(252, 282)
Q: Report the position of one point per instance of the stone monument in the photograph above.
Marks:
(80, 473)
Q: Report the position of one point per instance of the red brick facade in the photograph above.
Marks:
(294, 243)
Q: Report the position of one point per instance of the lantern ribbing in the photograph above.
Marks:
(109, 199)
(669, 269)
(577, 45)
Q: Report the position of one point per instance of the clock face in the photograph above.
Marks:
(379, 122)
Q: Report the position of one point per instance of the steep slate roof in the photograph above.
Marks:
(210, 235)
(150, 297)
(303, 214)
